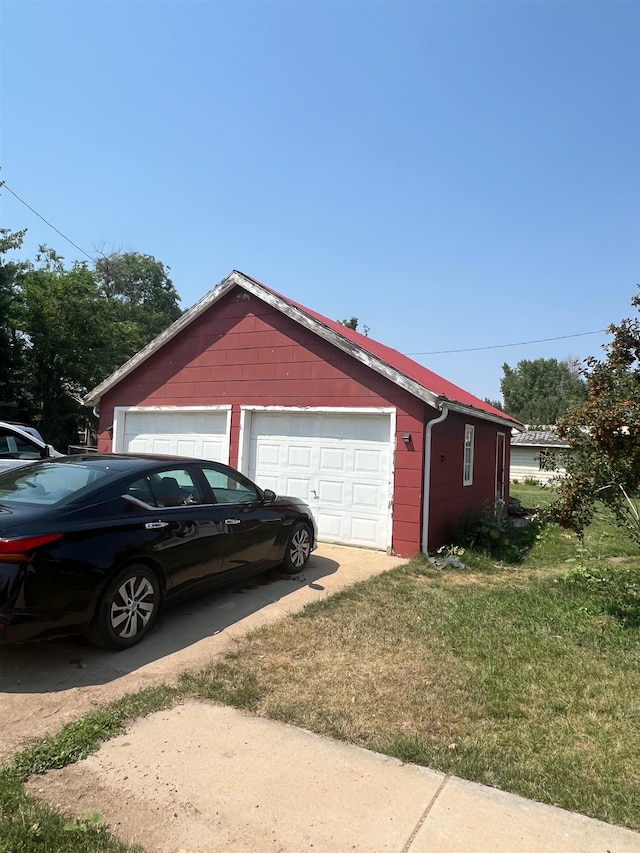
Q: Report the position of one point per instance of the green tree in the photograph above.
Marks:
(352, 323)
(603, 465)
(62, 331)
(141, 298)
(495, 403)
(15, 395)
(538, 392)
(61, 316)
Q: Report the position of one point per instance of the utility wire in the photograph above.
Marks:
(22, 201)
(431, 352)
(502, 346)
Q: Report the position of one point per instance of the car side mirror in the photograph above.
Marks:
(268, 496)
(47, 451)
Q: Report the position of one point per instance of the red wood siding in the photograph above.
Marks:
(243, 352)
(449, 498)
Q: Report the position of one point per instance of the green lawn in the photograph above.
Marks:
(523, 676)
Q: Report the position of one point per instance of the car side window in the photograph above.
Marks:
(174, 488)
(228, 489)
(141, 490)
(13, 446)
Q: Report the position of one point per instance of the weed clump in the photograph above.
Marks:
(486, 530)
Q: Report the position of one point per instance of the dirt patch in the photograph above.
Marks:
(76, 792)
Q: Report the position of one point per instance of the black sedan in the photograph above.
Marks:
(95, 544)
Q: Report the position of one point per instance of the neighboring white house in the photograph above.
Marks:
(528, 449)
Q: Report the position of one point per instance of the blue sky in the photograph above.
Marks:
(458, 175)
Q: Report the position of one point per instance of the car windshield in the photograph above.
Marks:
(47, 484)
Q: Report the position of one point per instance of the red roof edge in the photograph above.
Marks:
(433, 382)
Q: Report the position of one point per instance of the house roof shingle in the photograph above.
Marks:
(538, 438)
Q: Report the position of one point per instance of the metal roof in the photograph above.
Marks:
(538, 438)
(408, 374)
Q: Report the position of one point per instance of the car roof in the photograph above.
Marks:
(29, 432)
(125, 461)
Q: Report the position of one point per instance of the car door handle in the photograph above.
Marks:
(232, 521)
(154, 525)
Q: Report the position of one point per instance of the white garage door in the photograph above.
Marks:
(203, 435)
(340, 464)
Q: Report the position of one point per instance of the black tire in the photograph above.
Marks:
(127, 608)
(298, 549)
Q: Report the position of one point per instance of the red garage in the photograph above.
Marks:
(388, 454)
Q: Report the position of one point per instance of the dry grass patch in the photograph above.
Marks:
(514, 680)
(359, 674)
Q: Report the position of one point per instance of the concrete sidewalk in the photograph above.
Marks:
(202, 778)
(208, 779)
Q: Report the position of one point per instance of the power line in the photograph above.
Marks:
(502, 346)
(431, 352)
(22, 201)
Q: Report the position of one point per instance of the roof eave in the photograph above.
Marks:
(94, 396)
(471, 411)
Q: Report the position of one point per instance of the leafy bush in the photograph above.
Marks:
(487, 531)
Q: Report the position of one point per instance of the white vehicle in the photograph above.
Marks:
(20, 445)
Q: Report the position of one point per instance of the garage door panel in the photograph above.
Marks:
(273, 482)
(269, 454)
(330, 524)
(186, 447)
(333, 425)
(366, 497)
(215, 450)
(364, 531)
(141, 444)
(353, 427)
(332, 492)
(186, 433)
(332, 459)
(175, 421)
(370, 461)
(299, 456)
(158, 445)
(347, 459)
(298, 486)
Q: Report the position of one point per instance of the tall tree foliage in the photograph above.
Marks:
(60, 313)
(14, 393)
(603, 467)
(141, 298)
(539, 392)
(63, 330)
(352, 323)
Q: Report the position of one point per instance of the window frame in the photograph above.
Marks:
(468, 454)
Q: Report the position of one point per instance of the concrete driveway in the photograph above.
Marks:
(45, 685)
